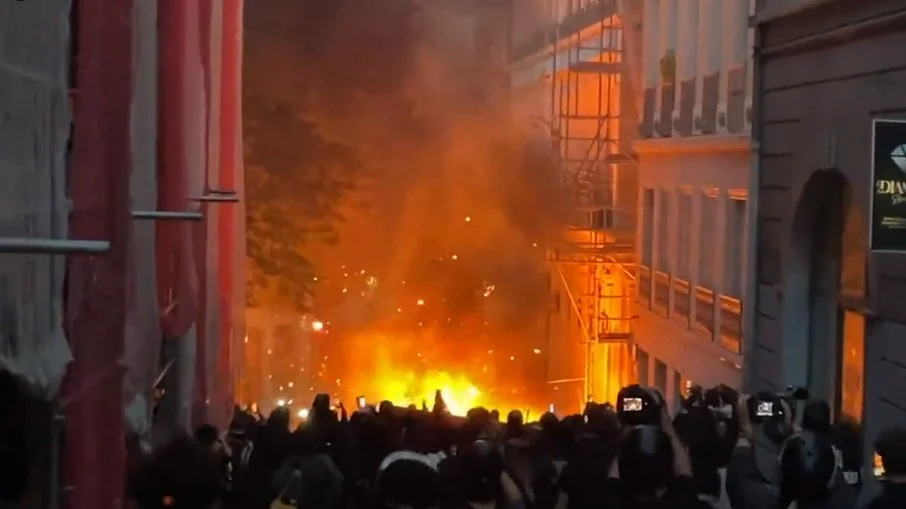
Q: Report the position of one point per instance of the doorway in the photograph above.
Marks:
(812, 324)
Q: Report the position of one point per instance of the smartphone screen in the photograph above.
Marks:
(764, 409)
(632, 405)
(360, 401)
(550, 408)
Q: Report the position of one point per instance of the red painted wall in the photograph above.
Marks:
(231, 219)
(94, 456)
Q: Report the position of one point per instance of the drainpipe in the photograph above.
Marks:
(751, 294)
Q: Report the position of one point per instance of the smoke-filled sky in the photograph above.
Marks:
(457, 193)
(470, 163)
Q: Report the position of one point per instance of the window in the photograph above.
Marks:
(682, 269)
(663, 232)
(734, 268)
(641, 359)
(678, 390)
(647, 253)
(647, 227)
(707, 241)
(683, 235)
(660, 377)
(661, 275)
(852, 367)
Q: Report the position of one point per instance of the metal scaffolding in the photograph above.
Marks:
(596, 258)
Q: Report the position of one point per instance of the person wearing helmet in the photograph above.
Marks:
(653, 469)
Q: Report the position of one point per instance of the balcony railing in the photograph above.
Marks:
(730, 323)
(645, 286)
(662, 292)
(704, 310)
(682, 299)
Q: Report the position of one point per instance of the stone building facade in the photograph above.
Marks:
(829, 311)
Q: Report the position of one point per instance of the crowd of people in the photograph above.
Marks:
(719, 450)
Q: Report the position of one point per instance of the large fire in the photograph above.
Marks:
(408, 371)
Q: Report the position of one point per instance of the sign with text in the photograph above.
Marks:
(888, 191)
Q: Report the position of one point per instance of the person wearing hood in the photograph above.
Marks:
(810, 476)
(408, 479)
(653, 469)
(750, 482)
(890, 448)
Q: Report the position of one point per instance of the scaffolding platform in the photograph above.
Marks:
(596, 258)
(584, 67)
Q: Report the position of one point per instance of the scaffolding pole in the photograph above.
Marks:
(589, 60)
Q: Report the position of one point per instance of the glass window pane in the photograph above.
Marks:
(735, 248)
(683, 235)
(852, 390)
(663, 232)
(647, 226)
(707, 241)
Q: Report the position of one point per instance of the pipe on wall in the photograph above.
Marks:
(750, 311)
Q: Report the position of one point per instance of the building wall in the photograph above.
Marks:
(693, 163)
(829, 314)
(691, 236)
(696, 67)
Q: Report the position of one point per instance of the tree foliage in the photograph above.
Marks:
(319, 77)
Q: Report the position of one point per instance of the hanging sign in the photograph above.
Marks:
(888, 191)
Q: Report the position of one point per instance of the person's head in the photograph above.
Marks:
(848, 439)
(515, 419)
(321, 403)
(279, 418)
(645, 462)
(182, 475)
(206, 435)
(482, 466)
(409, 481)
(697, 428)
(816, 417)
(808, 468)
(891, 447)
(602, 421)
